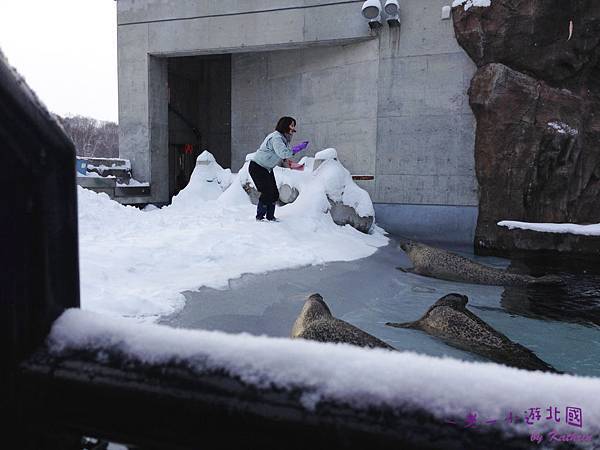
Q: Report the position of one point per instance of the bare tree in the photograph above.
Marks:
(92, 138)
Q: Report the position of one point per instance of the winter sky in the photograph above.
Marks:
(67, 52)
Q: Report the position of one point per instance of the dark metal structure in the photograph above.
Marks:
(38, 233)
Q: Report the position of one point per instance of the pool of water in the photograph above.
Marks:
(560, 324)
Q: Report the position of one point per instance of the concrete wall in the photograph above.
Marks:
(429, 223)
(331, 91)
(393, 103)
(426, 130)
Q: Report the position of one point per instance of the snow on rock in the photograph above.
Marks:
(563, 128)
(448, 388)
(136, 263)
(339, 186)
(571, 228)
(468, 3)
(328, 153)
(330, 180)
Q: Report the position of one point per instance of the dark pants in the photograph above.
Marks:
(266, 185)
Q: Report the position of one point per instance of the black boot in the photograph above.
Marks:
(271, 212)
(261, 210)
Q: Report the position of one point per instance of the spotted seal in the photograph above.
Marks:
(449, 320)
(316, 323)
(438, 263)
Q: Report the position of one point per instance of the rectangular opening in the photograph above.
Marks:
(199, 114)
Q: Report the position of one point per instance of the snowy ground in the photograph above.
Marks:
(136, 263)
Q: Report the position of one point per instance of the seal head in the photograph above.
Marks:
(316, 323)
(314, 309)
(454, 301)
(450, 320)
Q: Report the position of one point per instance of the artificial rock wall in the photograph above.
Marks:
(536, 99)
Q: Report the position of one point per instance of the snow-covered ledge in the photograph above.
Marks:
(560, 228)
(446, 389)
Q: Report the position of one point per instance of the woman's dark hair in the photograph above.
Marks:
(283, 124)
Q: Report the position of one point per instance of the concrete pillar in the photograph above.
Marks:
(133, 99)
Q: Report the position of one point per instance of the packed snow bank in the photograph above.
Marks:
(136, 263)
(571, 228)
(468, 3)
(446, 387)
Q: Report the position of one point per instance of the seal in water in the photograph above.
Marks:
(316, 323)
(449, 320)
(438, 263)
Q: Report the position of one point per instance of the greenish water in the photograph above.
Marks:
(560, 324)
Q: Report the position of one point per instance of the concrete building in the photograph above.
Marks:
(217, 74)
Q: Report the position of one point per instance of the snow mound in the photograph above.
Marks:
(97, 208)
(206, 156)
(208, 181)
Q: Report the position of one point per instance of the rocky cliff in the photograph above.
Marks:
(536, 98)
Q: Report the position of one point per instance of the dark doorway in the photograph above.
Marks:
(199, 114)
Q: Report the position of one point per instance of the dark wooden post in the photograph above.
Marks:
(39, 274)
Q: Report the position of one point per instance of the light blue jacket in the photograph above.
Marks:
(274, 148)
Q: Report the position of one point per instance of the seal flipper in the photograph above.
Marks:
(409, 270)
(550, 280)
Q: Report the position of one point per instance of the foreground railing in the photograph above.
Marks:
(170, 406)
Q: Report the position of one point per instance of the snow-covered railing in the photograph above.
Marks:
(140, 383)
(280, 390)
